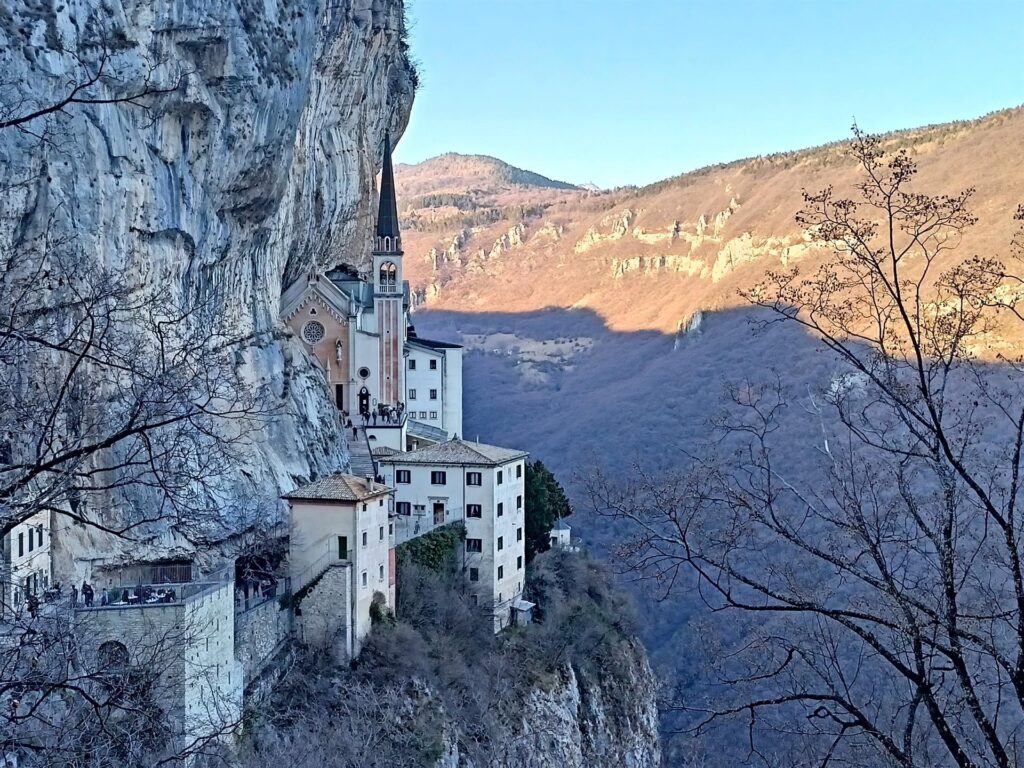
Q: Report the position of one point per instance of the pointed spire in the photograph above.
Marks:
(387, 214)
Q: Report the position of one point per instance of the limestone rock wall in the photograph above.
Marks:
(256, 164)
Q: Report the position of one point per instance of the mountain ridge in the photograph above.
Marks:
(651, 257)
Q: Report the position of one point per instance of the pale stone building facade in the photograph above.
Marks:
(28, 565)
(480, 485)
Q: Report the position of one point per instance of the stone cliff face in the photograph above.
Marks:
(256, 163)
(581, 721)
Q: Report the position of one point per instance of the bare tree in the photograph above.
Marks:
(870, 596)
(124, 407)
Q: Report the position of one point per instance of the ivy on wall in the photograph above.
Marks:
(433, 550)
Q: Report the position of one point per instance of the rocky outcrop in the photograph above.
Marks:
(254, 163)
(579, 720)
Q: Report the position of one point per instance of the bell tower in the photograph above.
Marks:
(388, 287)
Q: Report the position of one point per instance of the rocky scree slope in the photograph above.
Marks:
(256, 165)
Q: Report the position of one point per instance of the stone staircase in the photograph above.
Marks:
(360, 459)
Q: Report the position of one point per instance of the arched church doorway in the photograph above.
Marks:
(364, 401)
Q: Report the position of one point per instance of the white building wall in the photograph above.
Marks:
(314, 548)
(510, 532)
(492, 591)
(420, 380)
(27, 555)
(213, 677)
(452, 409)
(365, 354)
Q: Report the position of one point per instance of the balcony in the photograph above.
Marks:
(154, 587)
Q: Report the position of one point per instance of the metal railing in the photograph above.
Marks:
(132, 594)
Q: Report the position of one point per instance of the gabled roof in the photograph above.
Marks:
(458, 452)
(561, 525)
(385, 450)
(387, 213)
(339, 488)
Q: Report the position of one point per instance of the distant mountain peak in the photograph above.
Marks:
(481, 171)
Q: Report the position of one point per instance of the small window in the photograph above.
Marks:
(438, 478)
(519, 534)
(364, 578)
(382, 533)
(403, 508)
(501, 508)
(403, 476)
(365, 538)
(501, 477)
(433, 365)
(423, 414)
(433, 394)
(381, 576)
(31, 539)
(391, 529)
(474, 478)
(519, 470)
(364, 372)
(474, 545)
(412, 363)
(39, 533)
(21, 543)
(519, 502)
(501, 543)
(474, 574)
(433, 414)
(474, 510)
(412, 394)
(519, 563)
(501, 571)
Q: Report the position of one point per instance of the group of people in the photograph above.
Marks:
(383, 413)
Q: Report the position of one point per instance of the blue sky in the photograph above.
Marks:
(632, 91)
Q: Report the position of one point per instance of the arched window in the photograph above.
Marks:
(388, 274)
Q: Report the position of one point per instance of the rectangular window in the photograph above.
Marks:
(474, 574)
(438, 478)
(403, 476)
(21, 543)
(501, 477)
(343, 547)
(381, 577)
(391, 529)
(501, 508)
(433, 365)
(433, 414)
(501, 543)
(382, 533)
(474, 510)
(519, 563)
(474, 478)
(519, 502)
(365, 538)
(519, 470)
(403, 508)
(519, 534)
(39, 533)
(474, 545)
(433, 394)
(412, 394)
(423, 414)
(501, 571)
(364, 578)
(412, 363)
(31, 539)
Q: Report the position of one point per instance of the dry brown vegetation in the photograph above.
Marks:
(637, 284)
